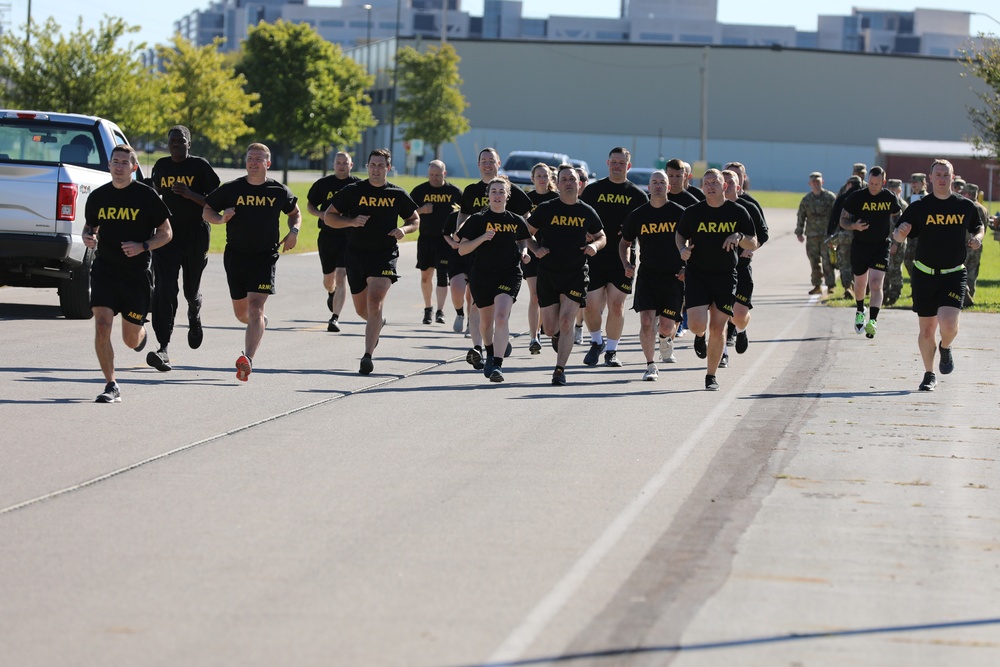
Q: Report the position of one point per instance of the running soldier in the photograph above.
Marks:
(810, 228)
(544, 189)
(436, 199)
(332, 243)
(874, 210)
(736, 329)
(499, 240)
(182, 180)
(677, 182)
(251, 210)
(939, 223)
(841, 238)
(659, 291)
(975, 255)
(571, 232)
(708, 236)
(129, 220)
(369, 210)
(613, 197)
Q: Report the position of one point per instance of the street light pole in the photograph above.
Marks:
(395, 79)
(368, 64)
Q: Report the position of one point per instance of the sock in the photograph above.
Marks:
(739, 331)
(497, 362)
(730, 327)
(460, 312)
(335, 316)
(612, 345)
(874, 313)
(560, 368)
(428, 309)
(861, 305)
(596, 337)
(578, 326)
(489, 349)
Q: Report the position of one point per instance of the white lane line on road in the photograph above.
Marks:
(219, 436)
(513, 647)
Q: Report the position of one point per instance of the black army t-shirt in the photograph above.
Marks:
(442, 200)
(501, 253)
(684, 198)
(707, 227)
(655, 229)
(613, 202)
(384, 206)
(192, 171)
(564, 228)
(475, 198)
(877, 210)
(255, 226)
(322, 192)
(940, 225)
(127, 214)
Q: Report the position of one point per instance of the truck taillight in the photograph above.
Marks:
(66, 203)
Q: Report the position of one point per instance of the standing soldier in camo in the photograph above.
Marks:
(974, 255)
(812, 219)
(894, 270)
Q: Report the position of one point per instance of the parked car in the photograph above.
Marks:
(586, 168)
(640, 176)
(49, 164)
(517, 166)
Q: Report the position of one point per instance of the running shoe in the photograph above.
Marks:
(534, 347)
(859, 322)
(507, 352)
(711, 384)
(577, 334)
(594, 353)
(496, 375)
(724, 362)
(681, 330)
(329, 301)
(111, 394)
(742, 342)
(243, 368)
(367, 366)
(870, 328)
(929, 383)
(159, 360)
(439, 317)
(651, 374)
(947, 363)
(427, 315)
(488, 366)
(142, 343)
(667, 351)
(459, 324)
(730, 334)
(195, 332)
(700, 347)
(333, 326)
(816, 290)
(611, 359)
(475, 357)
(559, 377)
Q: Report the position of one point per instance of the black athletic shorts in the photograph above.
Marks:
(485, 287)
(744, 285)
(332, 246)
(459, 264)
(122, 290)
(932, 292)
(365, 264)
(659, 292)
(866, 256)
(552, 284)
(704, 289)
(606, 269)
(248, 272)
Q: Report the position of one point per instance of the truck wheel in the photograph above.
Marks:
(74, 294)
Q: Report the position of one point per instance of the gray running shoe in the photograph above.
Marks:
(111, 394)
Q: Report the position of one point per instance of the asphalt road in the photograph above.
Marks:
(817, 511)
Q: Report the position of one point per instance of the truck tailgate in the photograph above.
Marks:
(28, 198)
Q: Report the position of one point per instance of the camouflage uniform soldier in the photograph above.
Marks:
(973, 257)
(893, 288)
(813, 217)
(918, 188)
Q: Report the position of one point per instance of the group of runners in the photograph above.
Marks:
(577, 246)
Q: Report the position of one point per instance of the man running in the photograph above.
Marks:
(708, 237)
(370, 210)
(436, 199)
(251, 210)
(566, 224)
(129, 220)
(332, 243)
(874, 209)
(613, 198)
(939, 223)
(740, 320)
(182, 180)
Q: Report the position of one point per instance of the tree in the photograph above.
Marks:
(312, 96)
(207, 96)
(430, 101)
(985, 64)
(84, 72)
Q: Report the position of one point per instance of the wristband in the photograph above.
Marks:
(293, 230)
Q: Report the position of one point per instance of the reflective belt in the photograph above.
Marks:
(937, 272)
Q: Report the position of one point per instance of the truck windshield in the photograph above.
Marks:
(48, 142)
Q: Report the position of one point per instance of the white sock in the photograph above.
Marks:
(612, 345)
(596, 337)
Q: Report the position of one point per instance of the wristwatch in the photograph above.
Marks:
(145, 246)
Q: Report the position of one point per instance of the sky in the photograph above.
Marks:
(157, 18)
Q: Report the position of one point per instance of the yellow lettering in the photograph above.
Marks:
(567, 221)
(501, 227)
(377, 202)
(437, 199)
(614, 199)
(658, 228)
(714, 227)
(942, 219)
(876, 206)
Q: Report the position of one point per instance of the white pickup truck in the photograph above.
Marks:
(49, 164)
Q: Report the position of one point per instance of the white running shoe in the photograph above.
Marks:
(651, 374)
(667, 351)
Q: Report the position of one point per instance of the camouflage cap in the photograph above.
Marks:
(855, 179)
(922, 178)
(894, 183)
(958, 183)
(972, 190)
(815, 175)
(860, 168)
